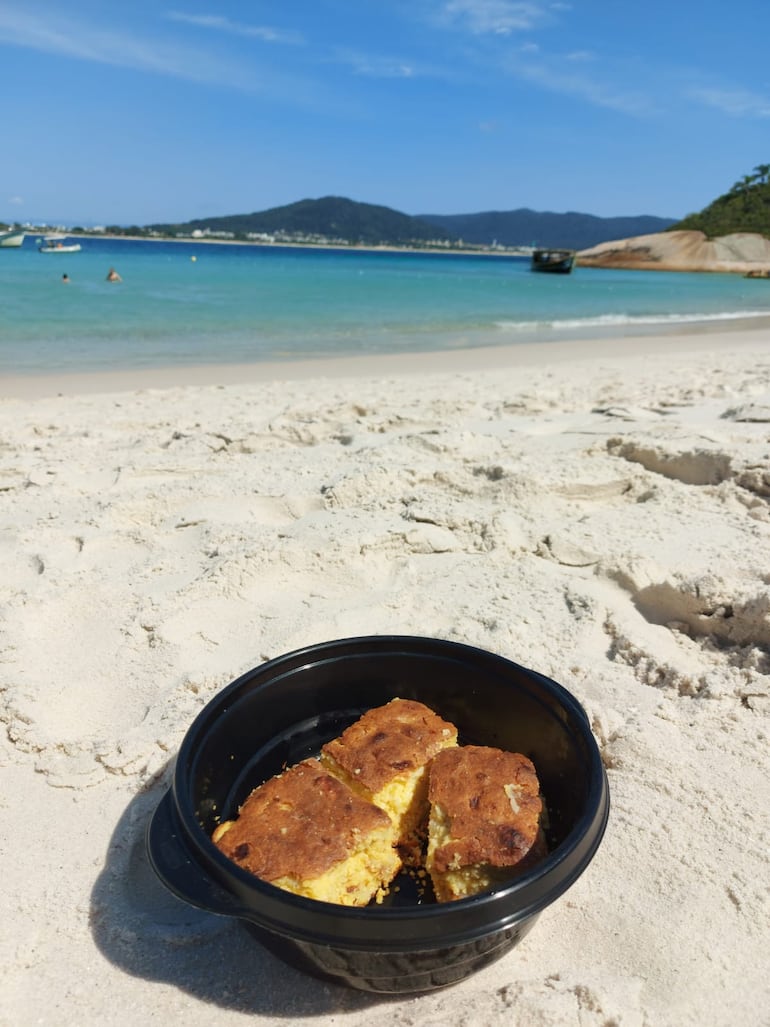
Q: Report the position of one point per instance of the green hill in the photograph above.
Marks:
(335, 219)
(332, 218)
(745, 208)
(524, 227)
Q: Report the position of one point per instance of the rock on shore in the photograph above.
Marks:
(682, 251)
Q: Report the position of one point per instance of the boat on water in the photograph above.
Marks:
(559, 262)
(57, 244)
(11, 237)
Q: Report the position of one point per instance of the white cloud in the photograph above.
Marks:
(547, 76)
(376, 67)
(497, 17)
(16, 201)
(739, 103)
(221, 24)
(63, 36)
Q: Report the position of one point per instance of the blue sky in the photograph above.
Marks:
(142, 112)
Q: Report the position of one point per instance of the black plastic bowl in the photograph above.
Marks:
(284, 710)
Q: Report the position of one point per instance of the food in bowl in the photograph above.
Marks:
(339, 828)
(283, 711)
(308, 833)
(385, 756)
(485, 811)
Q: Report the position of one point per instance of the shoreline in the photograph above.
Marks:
(688, 339)
(615, 258)
(520, 252)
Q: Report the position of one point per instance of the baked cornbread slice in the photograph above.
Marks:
(484, 823)
(384, 757)
(307, 832)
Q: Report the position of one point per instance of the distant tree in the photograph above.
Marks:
(745, 208)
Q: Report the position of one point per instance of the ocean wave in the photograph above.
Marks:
(638, 320)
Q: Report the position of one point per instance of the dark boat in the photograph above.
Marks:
(559, 262)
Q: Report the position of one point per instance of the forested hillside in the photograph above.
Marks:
(525, 227)
(745, 208)
(336, 219)
(332, 218)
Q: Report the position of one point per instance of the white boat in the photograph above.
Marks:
(11, 237)
(57, 244)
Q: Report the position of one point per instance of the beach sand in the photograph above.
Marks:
(598, 512)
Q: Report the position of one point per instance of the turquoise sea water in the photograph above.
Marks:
(251, 303)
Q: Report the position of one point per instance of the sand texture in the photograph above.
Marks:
(604, 520)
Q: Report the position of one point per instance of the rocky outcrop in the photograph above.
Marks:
(741, 252)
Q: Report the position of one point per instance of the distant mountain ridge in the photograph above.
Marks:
(338, 219)
(525, 227)
(332, 218)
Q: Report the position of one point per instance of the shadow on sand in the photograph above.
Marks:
(147, 932)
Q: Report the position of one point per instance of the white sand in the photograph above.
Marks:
(604, 520)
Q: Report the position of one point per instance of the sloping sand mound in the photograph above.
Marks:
(682, 251)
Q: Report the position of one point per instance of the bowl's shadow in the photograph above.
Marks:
(147, 932)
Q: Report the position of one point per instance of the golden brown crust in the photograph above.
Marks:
(490, 799)
(389, 740)
(299, 824)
